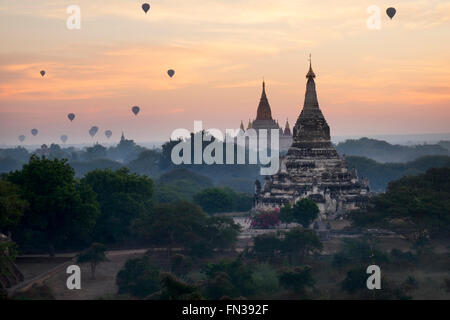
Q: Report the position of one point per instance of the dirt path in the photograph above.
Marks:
(104, 286)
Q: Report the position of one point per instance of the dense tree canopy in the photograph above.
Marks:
(122, 196)
(411, 203)
(62, 211)
(12, 206)
(186, 225)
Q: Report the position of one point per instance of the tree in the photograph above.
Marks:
(301, 242)
(186, 225)
(180, 264)
(418, 202)
(266, 246)
(355, 280)
(62, 211)
(359, 252)
(175, 289)
(304, 212)
(228, 278)
(214, 200)
(95, 254)
(12, 206)
(122, 196)
(148, 163)
(286, 214)
(296, 279)
(171, 224)
(139, 277)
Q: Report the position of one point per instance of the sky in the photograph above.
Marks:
(392, 80)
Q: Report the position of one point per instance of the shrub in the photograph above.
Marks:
(139, 277)
(296, 279)
(266, 220)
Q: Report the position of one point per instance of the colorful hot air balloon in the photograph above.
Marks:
(21, 138)
(135, 110)
(71, 116)
(145, 7)
(108, 133)
(93, 131)
(34, 132)
(42, 72)
(170, 73)
(391, 12)
(63, 138)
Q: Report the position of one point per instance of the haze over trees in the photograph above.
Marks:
(382, 151)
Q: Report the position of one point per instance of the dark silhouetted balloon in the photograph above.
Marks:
(93, 131)
(135, 110)
(42, 73)
(170, 73)
(21, 138)
(71, 116)
(145, 7)
(391, 12)
(108, 133)
(63, 138)
(34, 132)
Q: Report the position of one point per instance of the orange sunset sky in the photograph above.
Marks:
(395, 80)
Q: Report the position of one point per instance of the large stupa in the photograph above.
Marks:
(312, 167)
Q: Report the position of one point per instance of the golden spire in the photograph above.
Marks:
(242, 126)
(249, 124)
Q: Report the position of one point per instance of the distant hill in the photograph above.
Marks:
(383, 151)
(380, 174)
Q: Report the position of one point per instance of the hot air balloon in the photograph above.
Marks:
(135, 110)
(21, 138)
(63, 138)
(42, 72)
(34, 132)
(170, 73)
(391, 12)
(93, 131)
(71, 116)
(145, 7)
(108, 133)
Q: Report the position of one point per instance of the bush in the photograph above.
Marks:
(231, 278)
(266, 220)
(296, 279)
(265, 279)
(359, 252)
(355, 280)
(402, 258)
(266, 246)
(139, 277)
(180, 264)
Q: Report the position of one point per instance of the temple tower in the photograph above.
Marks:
(312, 167)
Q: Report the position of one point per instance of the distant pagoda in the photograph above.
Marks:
(264, 121)
(312, 167)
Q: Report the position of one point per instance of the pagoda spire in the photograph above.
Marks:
(310, 94)
(311, 116)
(310, 73)
(264, 112)
(249, 126)
(242, 126)
(287, 129)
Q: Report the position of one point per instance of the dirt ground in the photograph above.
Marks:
(103, 287)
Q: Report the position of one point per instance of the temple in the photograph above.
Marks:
(312, 167)
(265, 121)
